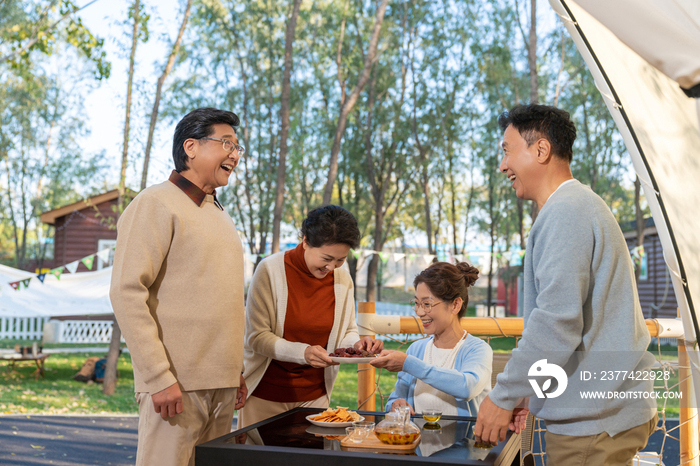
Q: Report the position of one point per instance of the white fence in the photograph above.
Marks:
(56, 331)
(22, 328)
(78, 331)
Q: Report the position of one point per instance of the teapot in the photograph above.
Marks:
(397, 429)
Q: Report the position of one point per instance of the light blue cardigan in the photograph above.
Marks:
(469, 382)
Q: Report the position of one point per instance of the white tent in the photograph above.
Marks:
(74, 294)
(641, 52)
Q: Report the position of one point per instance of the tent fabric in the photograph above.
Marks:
(84, 293)
(666, 33)
(660, 126)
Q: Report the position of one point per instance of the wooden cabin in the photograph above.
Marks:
(83, 228)
(655, 288)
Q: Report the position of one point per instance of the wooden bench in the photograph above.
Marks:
(39, 359)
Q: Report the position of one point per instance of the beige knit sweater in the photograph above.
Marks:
(177, 291)
(266, 310)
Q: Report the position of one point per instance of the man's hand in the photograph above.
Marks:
(317, 356)
(241, 394)
(168, 402)
(520, 413)
(492, 422)
(401, 402)
(369, 344)
(390, 360)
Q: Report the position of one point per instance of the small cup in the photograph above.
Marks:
(432, 416)
(364, 425)
(356, 435)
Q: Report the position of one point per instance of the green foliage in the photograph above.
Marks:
(41, 123)
(31, 29)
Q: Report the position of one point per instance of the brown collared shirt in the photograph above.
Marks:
(192, 190)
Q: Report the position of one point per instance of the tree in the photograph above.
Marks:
(40, 120)
(348, 104)
(159, 89)
(284, 131)
(139, 24)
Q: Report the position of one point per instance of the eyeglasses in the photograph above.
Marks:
(427, 306)
(229, 146)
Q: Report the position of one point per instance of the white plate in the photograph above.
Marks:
(330, 424)
(352, 360)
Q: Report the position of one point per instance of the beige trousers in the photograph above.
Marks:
(598, 450)
(256, 409)
(206, 415)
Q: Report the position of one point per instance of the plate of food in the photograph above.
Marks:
(351, 355)
(339, 417)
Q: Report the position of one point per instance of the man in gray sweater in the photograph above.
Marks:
(584, 326)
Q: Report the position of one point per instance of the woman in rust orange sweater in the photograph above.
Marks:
(300, 307)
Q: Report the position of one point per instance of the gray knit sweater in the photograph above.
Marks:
(582, 313)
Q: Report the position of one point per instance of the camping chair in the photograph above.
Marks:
(526, 437)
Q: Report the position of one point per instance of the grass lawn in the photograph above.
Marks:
(58, 393)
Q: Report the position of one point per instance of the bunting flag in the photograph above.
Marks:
(104, 255)
(73, 266)
(411, 257)
(88, 261)
(428, 258)
(357, 253)
(459, 257)
(398, 256)
(384, 256)
(368, 252)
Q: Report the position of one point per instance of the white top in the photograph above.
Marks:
(427, 397)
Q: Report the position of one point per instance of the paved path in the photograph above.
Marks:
(67, 440)
(111, 440)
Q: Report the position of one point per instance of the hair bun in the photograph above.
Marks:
(471, 273)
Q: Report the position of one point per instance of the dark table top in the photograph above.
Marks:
(289, 440)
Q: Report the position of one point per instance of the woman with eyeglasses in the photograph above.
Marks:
(451, 370)
(300, 307)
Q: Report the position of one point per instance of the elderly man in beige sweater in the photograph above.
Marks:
(177, 293)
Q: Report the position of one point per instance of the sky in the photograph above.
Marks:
(106, 105)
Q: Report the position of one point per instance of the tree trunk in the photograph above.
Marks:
(639, 215)
(284, 130)
(492, 233)
(159, 88)
(534, 85)
(532, 53)
(350, 103)
(110, 380)
(426, 208)
(374, 263)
